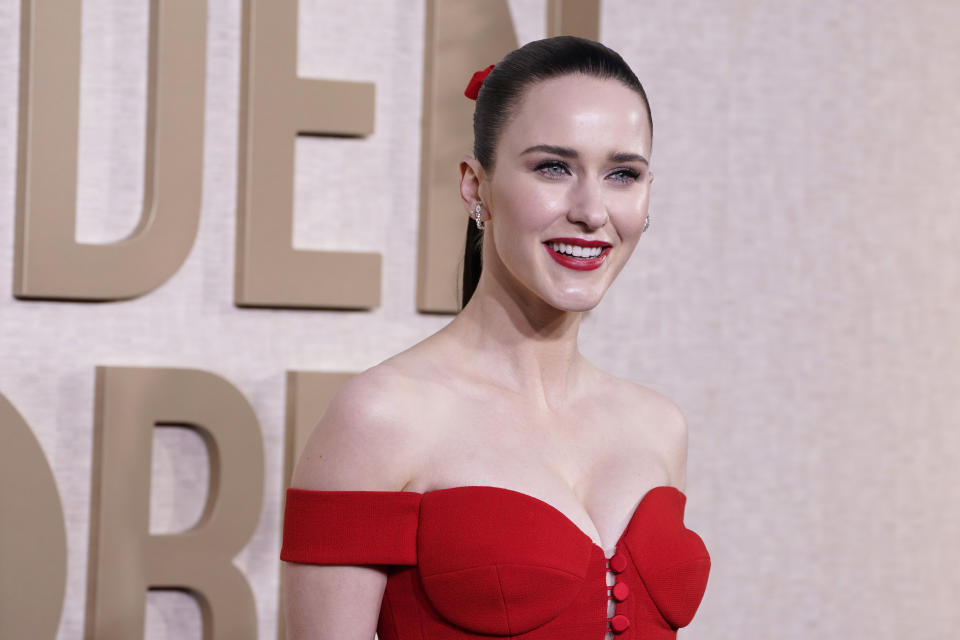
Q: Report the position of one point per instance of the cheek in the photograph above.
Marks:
(629, 213)
(530, 206)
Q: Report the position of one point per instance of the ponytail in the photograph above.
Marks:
(472, 262)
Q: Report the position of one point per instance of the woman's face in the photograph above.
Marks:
(572, 163)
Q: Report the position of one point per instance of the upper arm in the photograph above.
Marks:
(364, 440)
(360, 443)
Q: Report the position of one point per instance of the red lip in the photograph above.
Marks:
(581, 242)
(578, 264)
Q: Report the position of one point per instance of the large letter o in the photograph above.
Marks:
(33, 538)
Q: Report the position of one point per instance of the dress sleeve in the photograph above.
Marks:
(351, 527)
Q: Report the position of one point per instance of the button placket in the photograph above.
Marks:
(619, 592)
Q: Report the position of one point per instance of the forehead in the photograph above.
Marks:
(582, 112)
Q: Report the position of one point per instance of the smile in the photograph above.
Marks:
(577, 257)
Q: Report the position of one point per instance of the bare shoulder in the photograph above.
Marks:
(367, 439)
(659, 424)
(664, 412)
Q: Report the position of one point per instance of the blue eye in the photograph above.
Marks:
(625, 175)
(552, 168)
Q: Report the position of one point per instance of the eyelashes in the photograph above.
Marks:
(627, 175)
(552, 168)
(558, 169)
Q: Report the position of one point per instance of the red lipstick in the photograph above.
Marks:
(578, 264)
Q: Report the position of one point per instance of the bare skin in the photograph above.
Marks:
(502, 396)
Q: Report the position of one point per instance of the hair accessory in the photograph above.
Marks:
(473, 88)
(646, 223)
(477, 212)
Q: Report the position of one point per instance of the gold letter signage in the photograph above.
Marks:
(125, 559)
(33, 539)
(48, 261)
(275, 106)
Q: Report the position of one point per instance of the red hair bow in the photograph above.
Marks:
(473, 88)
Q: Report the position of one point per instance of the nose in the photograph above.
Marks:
(587, 205)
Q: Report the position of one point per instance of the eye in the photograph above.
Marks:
(625, 175)
(552, 168)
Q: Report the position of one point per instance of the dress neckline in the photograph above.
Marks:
(549, 506)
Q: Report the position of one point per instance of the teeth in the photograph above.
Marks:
(576, 250)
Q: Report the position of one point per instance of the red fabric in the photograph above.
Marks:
(473, 87)
(350, 527)
(478, 562)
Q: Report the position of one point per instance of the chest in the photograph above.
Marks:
(591, 464)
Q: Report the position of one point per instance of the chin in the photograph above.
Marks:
(577, 302)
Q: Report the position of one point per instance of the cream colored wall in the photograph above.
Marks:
(798, 293)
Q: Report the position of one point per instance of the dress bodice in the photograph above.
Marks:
(479, 561)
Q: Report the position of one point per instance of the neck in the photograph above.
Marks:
(520, 342)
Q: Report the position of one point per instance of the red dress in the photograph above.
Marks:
(479, 561)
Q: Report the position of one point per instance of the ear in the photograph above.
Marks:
(471, 177)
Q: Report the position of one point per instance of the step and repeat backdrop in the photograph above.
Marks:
(212, 213)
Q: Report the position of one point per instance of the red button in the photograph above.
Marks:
(619, 622)
(621, 591)
(618, 562)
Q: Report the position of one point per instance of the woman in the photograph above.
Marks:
(490, 481)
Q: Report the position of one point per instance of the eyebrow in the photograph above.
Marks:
(567, 152)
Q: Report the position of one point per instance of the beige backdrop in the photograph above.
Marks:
(798, 293)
